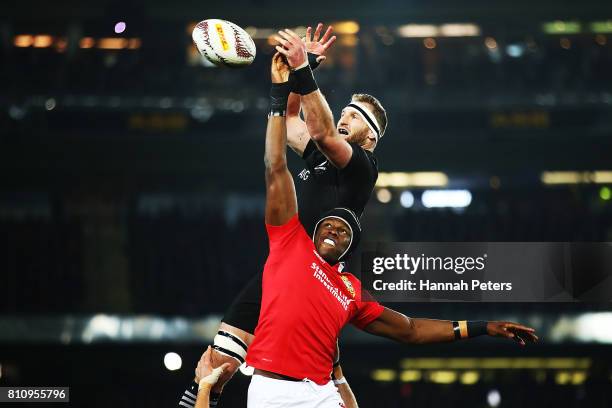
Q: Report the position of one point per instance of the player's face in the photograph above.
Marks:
(332, 238)
(353, 127)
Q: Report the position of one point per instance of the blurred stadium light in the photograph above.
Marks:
(562, 27)
(416, 179)
(576, 177)
(493, 398)
(446, 198)
(173, 361)
(383, 195)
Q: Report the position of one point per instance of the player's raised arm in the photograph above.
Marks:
(319, 118)
(396, 326)
(281, 201)
(297, 132)
(316, 47)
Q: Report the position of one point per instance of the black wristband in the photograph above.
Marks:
(304, 82)
(476, 328)
(457, 330)
(278, 98)
(312, 60)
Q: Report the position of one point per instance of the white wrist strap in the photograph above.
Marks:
(211, 378)
(339, 381)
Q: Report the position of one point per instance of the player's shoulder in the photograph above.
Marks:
(292, 228)
(364, 153)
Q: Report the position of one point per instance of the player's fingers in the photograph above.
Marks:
(321, 58)
(317, 33)
(208, 356)
(286, 37)
(308, 33)
(281, 40)
(519, 327)
(225, 366)
(327, 34)
(292, 36)
(203, 356)
(329, 42)
(281, 50)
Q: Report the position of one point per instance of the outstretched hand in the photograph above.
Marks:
(292, 47)
(517, 332)
(319, 45)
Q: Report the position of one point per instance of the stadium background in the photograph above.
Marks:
(132, 187)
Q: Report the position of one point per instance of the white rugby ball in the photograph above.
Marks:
(224, 43)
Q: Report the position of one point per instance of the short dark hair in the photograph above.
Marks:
(379, 112)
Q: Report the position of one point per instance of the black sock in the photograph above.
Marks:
(188, 399)
(214, 399)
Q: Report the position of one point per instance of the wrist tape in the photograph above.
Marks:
(465, 329)
(339, 381)
(278, 98)
(303, 81)
(211, 379)
(312, 61)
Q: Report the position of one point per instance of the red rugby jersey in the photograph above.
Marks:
(305, 303)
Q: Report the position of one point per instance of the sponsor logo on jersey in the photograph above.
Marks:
(349, 285)
(304, 174)
(320, 275)
(321, 167)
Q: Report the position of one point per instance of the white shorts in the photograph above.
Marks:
(267, 392)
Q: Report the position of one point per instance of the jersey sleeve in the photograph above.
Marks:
(361, 166)
(310, 147)
(368, 310)
(280, 235)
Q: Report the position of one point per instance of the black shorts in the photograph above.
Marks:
(243, 313)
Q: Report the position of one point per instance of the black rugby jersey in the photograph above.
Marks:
(321, 186)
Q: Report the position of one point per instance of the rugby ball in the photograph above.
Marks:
(224, 43)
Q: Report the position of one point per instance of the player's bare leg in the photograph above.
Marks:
(230, 346)
(225, 350)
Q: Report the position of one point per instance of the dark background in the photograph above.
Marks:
(132, 185)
